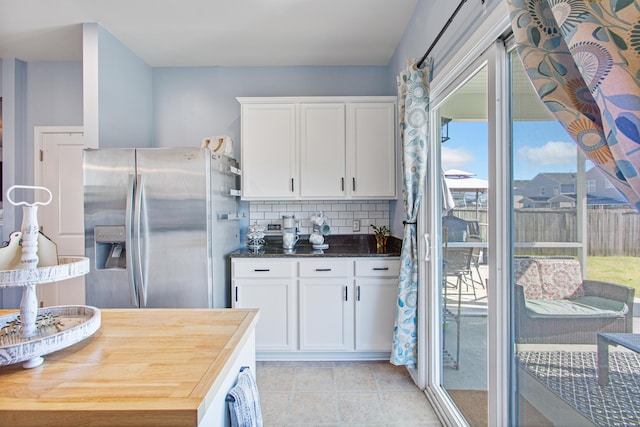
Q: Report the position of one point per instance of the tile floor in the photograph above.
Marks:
(331, 394)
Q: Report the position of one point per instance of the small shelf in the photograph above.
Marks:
(57, 328)
(27, 335)
(67, 268)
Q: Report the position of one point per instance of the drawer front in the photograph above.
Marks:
(262, 268)
(378, 267)
(329, 267)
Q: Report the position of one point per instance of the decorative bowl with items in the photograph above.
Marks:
(255, 237)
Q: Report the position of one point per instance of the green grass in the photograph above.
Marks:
(616, 269)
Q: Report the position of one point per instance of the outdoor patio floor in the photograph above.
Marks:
(471, 374)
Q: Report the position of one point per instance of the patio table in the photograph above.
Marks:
(630, 341)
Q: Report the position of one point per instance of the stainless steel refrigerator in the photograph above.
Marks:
(158, 223)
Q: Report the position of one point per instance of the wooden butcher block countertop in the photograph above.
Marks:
(157, 367)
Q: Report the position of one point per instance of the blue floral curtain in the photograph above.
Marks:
(413, 106)
(583, 58)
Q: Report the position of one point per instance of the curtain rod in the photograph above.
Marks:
(453, 15)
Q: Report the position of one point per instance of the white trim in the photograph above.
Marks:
(489, 31)
(454, 73)
(499, 307)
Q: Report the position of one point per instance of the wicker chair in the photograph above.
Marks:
(565, 329)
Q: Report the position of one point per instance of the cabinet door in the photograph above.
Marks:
(268, 158)
(322, 150)
(375, 313)
(372, 151)
(274, 298)
(326, 314)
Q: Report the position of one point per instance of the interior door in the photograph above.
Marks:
(59, 168)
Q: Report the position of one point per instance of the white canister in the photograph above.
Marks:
(288, 221)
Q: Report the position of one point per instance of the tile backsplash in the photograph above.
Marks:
(339, 214)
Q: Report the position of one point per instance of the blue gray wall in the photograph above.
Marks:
(195, 102)
(142, 106)
(125, 95)
(423, 27)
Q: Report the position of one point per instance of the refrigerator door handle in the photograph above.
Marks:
(137, 213)
(128, 240)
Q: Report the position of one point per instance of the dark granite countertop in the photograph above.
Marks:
(345, 245)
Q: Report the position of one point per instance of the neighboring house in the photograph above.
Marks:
(558, 190)
(543, 191)
(601, 193)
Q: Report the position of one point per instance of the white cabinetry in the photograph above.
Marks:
(376, 284)
(322, 150)
(326, 304)
(269, 286)
(370, 136)
(328, 308)
(269, 150)
(318, 148)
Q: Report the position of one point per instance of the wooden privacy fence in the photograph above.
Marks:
(610, 232)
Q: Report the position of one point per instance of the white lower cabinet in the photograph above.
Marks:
(270, 287)
(328, 307)
(326, 304)
(376, 295)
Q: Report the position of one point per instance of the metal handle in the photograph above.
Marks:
(261, 269)
(137, 214)
(236, 294)
(427, 251)
(128, 237)
(353, 183)
(292, 186)
(342, 183)
(346, 293)
(323, 269)
(380, 268)
(358, 293)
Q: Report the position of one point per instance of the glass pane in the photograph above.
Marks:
(568, 224)
(464, 161)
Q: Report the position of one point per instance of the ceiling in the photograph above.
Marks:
(211, 32)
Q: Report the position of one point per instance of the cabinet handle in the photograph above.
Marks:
(342, 183)
(236, 294)
(292, 186)
(323, 269)
(353, 184)
(261, 269)
(346, 293)
(380, 268)
(358, 293)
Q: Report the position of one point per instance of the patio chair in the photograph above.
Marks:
(476, 254)
(456, 265)
(554, 305)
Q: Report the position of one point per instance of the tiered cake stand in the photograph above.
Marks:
(27, 336)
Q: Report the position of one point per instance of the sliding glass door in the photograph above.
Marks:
(515, 219)
(463, 224)
(459, 215)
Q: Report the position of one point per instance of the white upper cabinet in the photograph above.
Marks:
(328, 148)
(322, 151)
(268, 159)
(370, 141)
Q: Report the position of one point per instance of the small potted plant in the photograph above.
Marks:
(382, 234)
